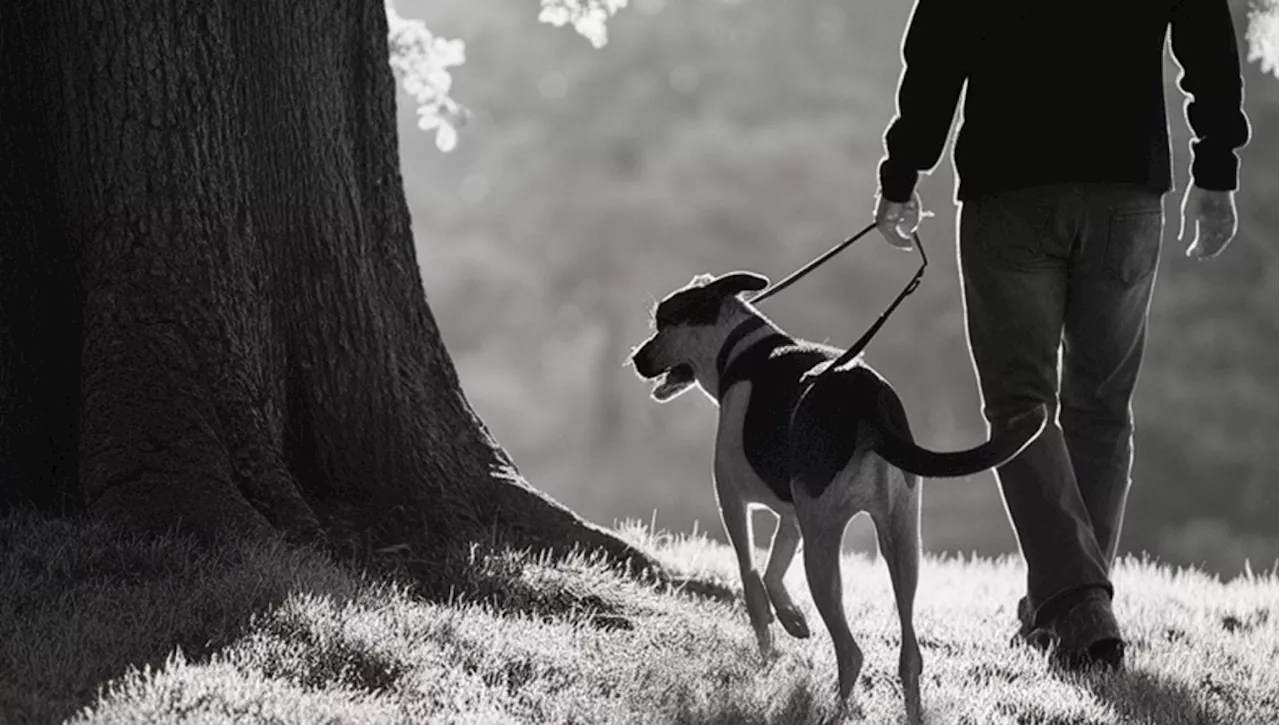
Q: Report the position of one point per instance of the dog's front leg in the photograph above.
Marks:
(786, 539)
(737, 524)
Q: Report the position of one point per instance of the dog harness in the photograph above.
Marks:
(775, 365)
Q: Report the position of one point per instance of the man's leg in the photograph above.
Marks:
(1015, 261)
(1113, 274)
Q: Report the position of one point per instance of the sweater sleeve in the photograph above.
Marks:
(1203, 41)
(933, 73)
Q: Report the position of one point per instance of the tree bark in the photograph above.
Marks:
(211, 317)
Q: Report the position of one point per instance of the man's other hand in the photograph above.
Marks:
(1210, 217)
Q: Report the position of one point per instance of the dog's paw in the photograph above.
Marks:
(768, 650)
(794, 622)
(851, 709)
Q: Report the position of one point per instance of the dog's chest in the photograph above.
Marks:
(764, 420)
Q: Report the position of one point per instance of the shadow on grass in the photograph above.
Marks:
(546, 587)
(1145, 696)
(800, 707)
(81, 604)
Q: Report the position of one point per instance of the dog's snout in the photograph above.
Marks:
(642, 360)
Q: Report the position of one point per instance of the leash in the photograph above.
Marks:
(862, 342)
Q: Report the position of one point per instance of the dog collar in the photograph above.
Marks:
(746, 327)
(749, 360)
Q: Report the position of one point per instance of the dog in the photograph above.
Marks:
(814, 448)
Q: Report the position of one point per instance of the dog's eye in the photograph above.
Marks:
(670, 313)
(677, 309)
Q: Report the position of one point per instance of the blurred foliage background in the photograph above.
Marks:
(712, 135)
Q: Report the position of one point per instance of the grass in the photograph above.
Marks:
(100, 628)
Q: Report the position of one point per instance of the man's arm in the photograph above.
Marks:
(934, 71)
(1203, 40)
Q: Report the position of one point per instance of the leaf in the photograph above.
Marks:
(556, 15)
(1263, 36)
(446, 137)
(429, 119)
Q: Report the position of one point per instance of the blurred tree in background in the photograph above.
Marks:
(713, 135)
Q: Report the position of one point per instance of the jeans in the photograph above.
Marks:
(1057, 285)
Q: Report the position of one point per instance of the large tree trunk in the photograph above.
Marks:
(211, 317)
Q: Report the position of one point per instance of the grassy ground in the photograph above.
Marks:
(97, 628)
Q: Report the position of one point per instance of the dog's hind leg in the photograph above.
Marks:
(737, 524)
(786, 538)
(898, 530)
(823, 527)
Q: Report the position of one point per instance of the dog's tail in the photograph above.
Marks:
(1005, 443)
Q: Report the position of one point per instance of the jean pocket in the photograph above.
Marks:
(1011, 230)
(1133, 244)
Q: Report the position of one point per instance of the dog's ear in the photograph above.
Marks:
(699, 303)
(736, 282)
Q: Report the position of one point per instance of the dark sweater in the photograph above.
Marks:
(1064, 91)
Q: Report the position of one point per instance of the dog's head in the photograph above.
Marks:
(690, 324)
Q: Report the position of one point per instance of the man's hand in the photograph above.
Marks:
(897, 221)
(1211, 218)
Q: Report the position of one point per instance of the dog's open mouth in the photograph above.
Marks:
(673, 382)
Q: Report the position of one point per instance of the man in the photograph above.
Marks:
(1062, 159)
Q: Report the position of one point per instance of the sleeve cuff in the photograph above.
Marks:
(896, 183)
(1215, 171)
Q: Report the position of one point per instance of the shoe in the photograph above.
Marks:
(1088, 636)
